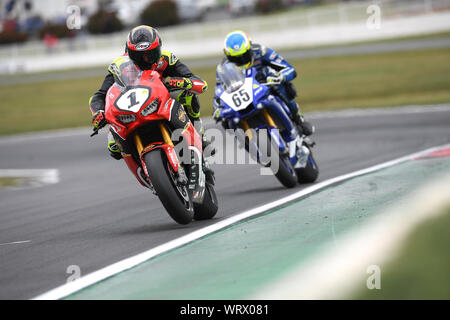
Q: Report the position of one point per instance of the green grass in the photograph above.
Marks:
(401, 78)
(46, 105)
(421, 269)
(328, 83)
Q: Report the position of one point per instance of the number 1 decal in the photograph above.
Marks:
(132, 97)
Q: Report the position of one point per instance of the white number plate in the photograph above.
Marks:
(241, 98)
(133, 99)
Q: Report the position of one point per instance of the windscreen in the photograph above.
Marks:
(125, 72)
(231, 76)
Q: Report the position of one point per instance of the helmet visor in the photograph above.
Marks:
(145, 59)
(242, 59)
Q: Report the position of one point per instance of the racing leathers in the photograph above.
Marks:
(271, 67)
(182, 83)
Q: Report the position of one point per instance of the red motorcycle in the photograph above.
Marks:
(143, 118)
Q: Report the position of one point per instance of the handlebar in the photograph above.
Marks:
(96, 130)
(271, 84)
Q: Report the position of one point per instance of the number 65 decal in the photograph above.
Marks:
(237, 96)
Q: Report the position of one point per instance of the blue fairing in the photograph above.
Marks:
(262, 97)
(259, 91)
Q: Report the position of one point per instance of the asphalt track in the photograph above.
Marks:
(98, 214)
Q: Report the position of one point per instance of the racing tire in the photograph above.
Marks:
(209, 207)
(175, 198)
(310, 172)
(285, 173)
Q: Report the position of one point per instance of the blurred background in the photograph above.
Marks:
(348, 54)
(40, 35)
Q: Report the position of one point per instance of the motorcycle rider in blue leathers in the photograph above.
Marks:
(271, 68)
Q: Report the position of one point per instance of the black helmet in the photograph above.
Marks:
(144, 46)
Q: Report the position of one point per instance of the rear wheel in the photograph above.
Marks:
(174, 197)
(208, 208)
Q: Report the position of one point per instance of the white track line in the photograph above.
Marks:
(15, 242)
(44, 135)
(37, 177)
(109, 271)
(337, 270)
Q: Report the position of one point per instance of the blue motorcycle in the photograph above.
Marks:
(260, 117)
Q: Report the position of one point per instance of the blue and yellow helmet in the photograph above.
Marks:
(238, 49)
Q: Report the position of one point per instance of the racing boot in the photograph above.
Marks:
(192, 106)
(305, 127)
(113, 148)
(198, 125)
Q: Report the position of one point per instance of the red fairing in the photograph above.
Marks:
(149, 79)
(132, 165)
(120, 103)
(165, 109)
(192, 137)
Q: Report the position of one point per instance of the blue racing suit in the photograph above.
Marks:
(267, 62)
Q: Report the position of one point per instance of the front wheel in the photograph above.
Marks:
(284, 172)
(209, 207)
(174, 197)
(310, 172)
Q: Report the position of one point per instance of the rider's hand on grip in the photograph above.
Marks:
(275, 78)
(217, 109)
(99, 119)
(179, 83)
(216, 115)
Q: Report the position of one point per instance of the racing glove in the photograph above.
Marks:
(275, 78)
(217, 108)
(218, 119)
(99, 119)
(216, 115)
(179, 83)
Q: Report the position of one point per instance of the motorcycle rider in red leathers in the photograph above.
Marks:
(143, 47)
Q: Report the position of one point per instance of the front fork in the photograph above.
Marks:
(268, 119)
(167, 146)
(290, 148)
(164, 133)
